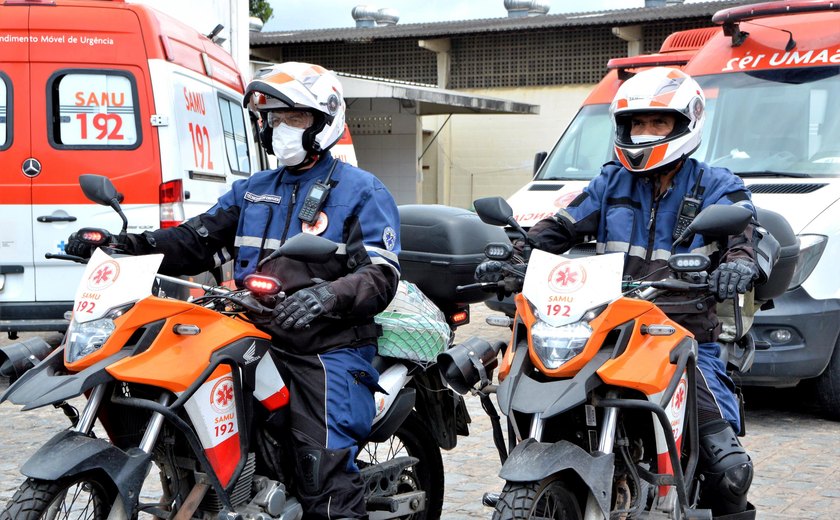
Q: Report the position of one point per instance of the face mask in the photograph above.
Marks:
(642, 139)
(287, 142)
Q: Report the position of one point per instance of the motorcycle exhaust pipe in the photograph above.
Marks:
(469, 363)
(17, 358)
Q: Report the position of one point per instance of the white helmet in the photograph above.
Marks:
(660, 89)
(301, 86)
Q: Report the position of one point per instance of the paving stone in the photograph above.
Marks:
(796, 452)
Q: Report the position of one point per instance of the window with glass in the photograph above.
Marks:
(236, 138)
(584, 147)
(94, 109)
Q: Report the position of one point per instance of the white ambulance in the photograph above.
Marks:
(771, 74)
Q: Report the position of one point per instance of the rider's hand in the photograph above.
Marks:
(296, 311)
(77, 247)
(732, 278)
(490, 271)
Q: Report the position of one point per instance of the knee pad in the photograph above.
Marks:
(726, 468)
(309, 470)
(325, 488)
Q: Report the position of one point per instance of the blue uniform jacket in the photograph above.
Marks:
(260, 213)
(620, 211)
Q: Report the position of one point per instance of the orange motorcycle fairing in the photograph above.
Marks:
(141, 314)
(645, 363)
(616, 313)
(174, 361)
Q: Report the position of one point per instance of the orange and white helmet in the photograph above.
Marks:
(659, 89)
(301, 86)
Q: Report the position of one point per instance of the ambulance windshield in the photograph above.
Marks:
(777, 122)
(773, 122)
(584, 147)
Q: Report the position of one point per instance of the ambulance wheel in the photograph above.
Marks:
(827, 387)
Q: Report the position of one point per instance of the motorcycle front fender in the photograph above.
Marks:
(71, 453)
(532, 461)
(48, 382)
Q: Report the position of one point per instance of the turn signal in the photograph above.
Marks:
(262, 284)
(93, 237)
(459, 318)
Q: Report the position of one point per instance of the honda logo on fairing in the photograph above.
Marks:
(31, 167)
(250, 355)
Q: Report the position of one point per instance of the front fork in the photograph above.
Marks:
(606, 443)
(147, 443)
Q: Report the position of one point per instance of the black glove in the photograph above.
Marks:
(490, 271)
(732, 278)
(305, 305)
(76, 247)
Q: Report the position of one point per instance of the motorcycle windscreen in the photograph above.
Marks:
(563, 289)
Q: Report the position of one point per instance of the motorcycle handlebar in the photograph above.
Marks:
(72, 258)
(678, 285)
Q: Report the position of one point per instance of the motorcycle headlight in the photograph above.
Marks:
(86, 338)
(556, 345)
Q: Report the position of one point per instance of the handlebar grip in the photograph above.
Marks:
(72, 258)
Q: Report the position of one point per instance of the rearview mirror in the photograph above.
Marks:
(100, 189)
(308, 248)
(493, 210)
(719, 220)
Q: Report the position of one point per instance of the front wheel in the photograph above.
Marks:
(78, 498)
(547, 499)
(414, 439)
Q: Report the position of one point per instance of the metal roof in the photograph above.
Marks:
(445, 29)
(427, 99)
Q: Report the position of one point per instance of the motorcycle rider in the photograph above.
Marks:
(632, 207)
(325, 326)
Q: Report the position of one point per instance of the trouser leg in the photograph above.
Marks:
(715, 390)
(725, 466)
(331, 411)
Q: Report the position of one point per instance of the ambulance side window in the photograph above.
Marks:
(236, 138)
(93, 109)
(5, 112)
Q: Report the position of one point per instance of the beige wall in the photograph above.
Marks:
(483, 155)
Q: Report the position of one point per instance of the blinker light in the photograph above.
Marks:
(262, 284)
(93, 237)
(459, 317)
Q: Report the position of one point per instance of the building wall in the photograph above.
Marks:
(386, 143)
(483, 155)
(472, 156)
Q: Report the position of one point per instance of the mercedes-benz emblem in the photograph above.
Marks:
(31, 167)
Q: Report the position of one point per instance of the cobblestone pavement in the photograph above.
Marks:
(796, 453)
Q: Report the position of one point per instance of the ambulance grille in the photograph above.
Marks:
(779, 189)
(688, 40)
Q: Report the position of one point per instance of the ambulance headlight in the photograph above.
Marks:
(557, 345)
